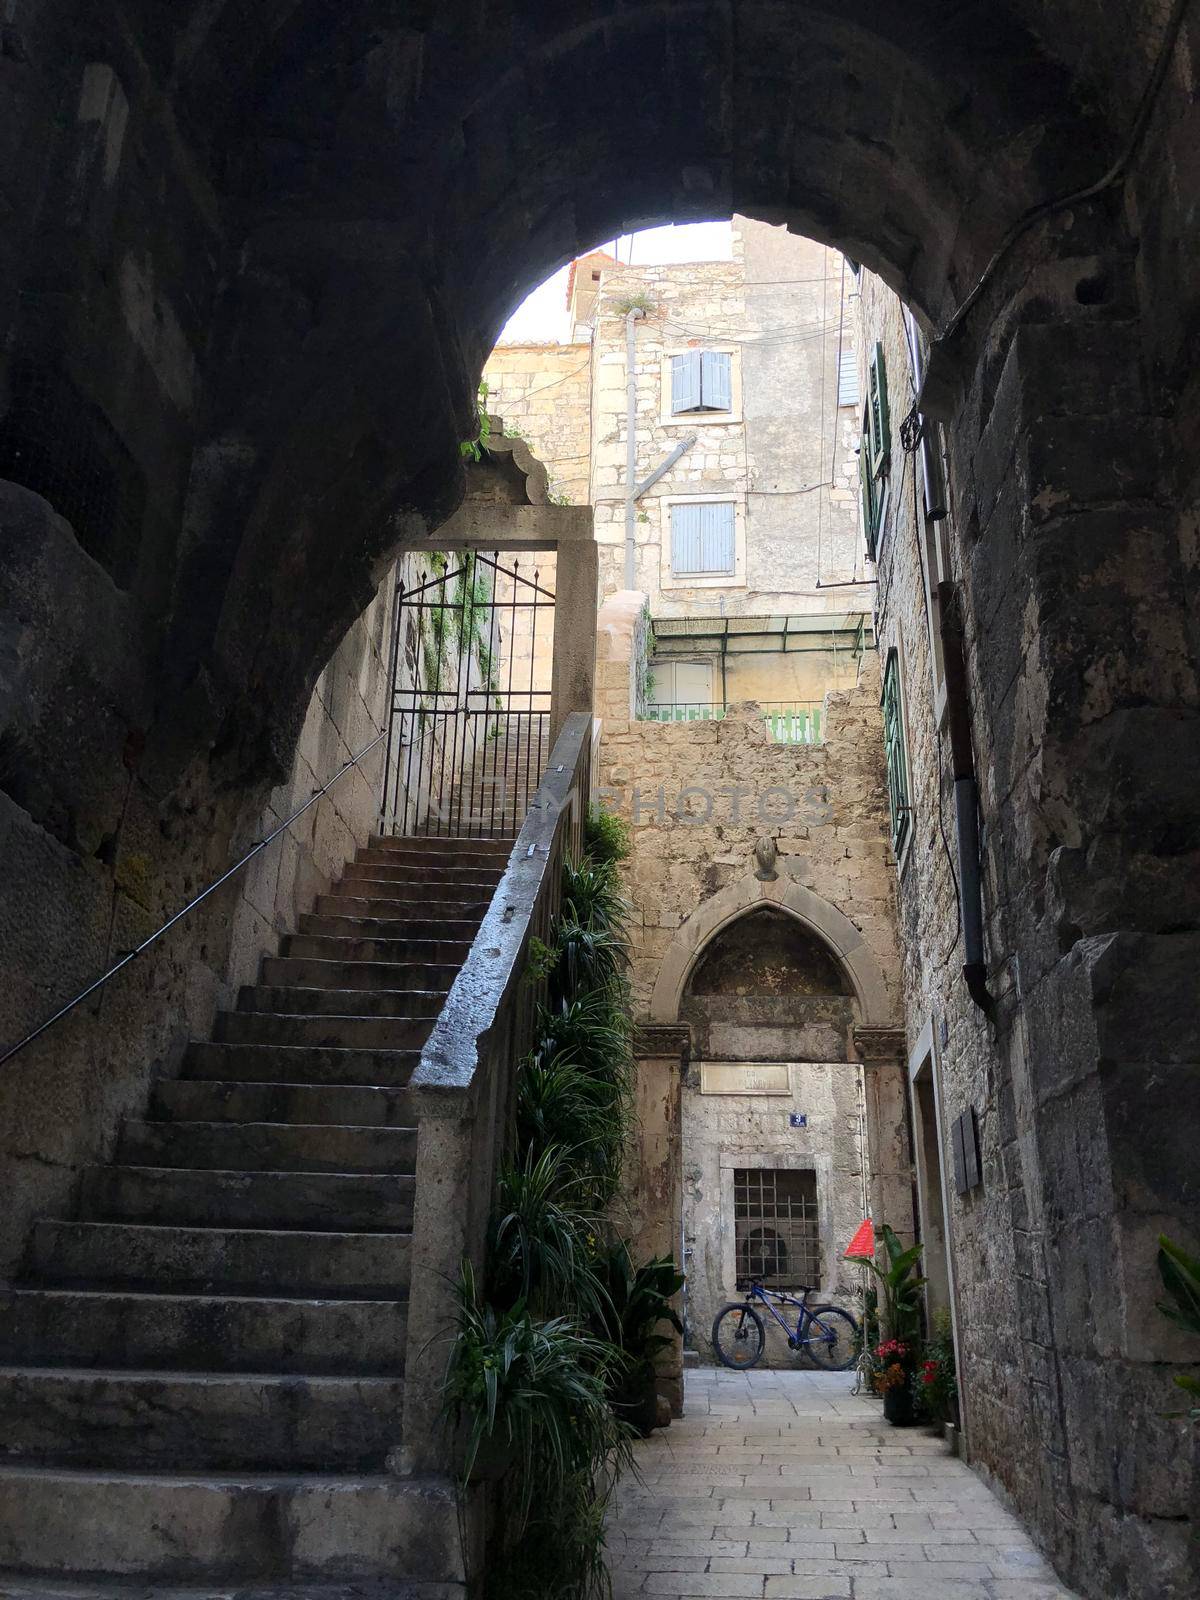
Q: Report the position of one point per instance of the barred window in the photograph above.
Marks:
(775, 1227)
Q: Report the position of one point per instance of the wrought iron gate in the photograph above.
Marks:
(469, 726)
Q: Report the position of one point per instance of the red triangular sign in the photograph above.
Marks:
(862, 1246)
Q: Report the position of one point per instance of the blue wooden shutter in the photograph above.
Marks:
(848, 379)
(685, 382)
(702, 539)
(716, 380)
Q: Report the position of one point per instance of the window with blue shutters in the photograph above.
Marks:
(895, 753)
(703, 540)
(701, 380)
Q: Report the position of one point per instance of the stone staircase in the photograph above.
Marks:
(492, 797)
(201, 1375)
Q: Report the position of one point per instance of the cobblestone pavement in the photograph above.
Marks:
(784, 1486)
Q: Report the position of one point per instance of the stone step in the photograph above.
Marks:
(438, 944)
(298, 1064)
(252, 1261)
(266, 1147)
(316, 1201)
(387, 938)
(295, 972)
(208, 1528)
(473, 856)
(198, 1332)
(341, 1002)
(418, 873)
(395, 907)
(351, 1033)
(420, 844)
(350, 1105)
(214, 1421)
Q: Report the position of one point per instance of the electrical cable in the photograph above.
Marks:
(1115, 172)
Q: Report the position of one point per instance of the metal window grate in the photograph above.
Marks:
(776, 1233)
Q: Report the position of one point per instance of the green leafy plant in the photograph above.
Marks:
(606, 837)
(899, 1287)
(472, 449)
(938, 1377)
(1180, 1274)
(542, 1243)
(638, 1302)
(530, 1394)
(592, 1032)
(558, 1104)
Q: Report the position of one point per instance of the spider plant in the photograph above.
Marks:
(592, 1032)
(532, 1392)
(559, 1104)
(592, 897)
(542, 1241)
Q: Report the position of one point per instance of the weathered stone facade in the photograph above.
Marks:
(738, 838)
(1053, 1213)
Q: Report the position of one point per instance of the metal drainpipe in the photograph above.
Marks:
(966, 796)
(631, 316)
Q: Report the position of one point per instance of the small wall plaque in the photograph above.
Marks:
(798, 1119)
(744, 1077)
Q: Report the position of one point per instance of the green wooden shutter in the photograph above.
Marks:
(869, 491)
(877, 404)
(894, 752)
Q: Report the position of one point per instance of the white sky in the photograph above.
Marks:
(543, 314)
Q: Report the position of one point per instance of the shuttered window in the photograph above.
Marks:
(879, 425)
(701, 380)
(702, 539)
(894, 751)
(875, 448)
(847, 379)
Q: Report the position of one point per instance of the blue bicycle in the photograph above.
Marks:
(827, 1333)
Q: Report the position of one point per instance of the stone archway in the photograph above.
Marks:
(878, 1034)
(877, 1008)
(274, 368)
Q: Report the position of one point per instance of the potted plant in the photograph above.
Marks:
(938, 1378)
(895, 1362)
(900, 1288)
(638, 1304)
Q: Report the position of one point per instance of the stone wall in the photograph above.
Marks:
(1058, 1238)
(544, 393)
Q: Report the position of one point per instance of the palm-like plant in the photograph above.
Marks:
(592, 897)
(639, 1302)
(899, 1286)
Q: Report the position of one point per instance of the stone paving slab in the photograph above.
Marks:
(785, 1486)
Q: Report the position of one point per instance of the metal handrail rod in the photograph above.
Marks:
(132, 955)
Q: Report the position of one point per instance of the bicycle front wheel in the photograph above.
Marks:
(738, 1336)
(832, 1336)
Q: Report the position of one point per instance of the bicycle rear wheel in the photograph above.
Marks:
(738, 1336)
(832, 1338)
